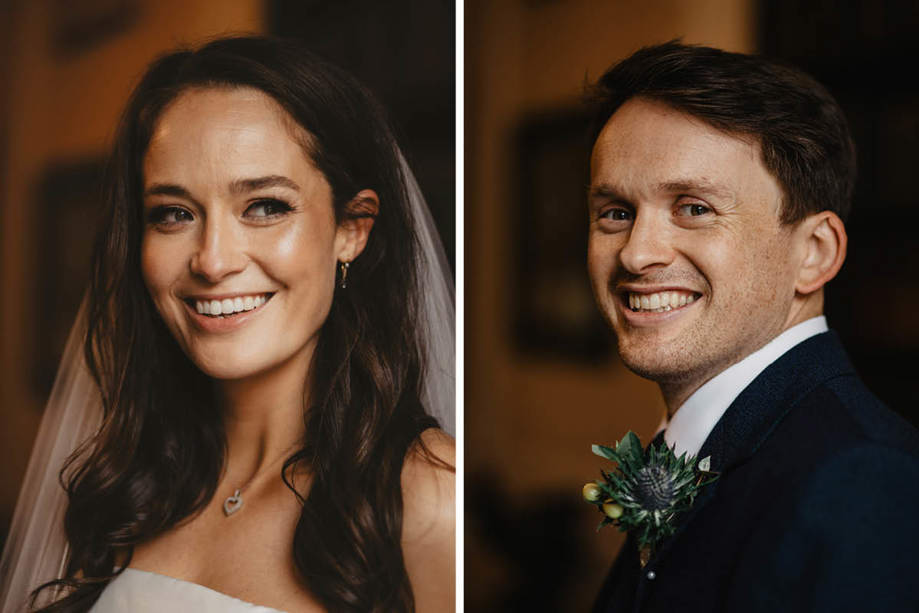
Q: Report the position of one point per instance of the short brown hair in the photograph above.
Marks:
(803, 134)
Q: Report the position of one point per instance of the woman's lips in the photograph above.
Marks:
(202, 311)
(231, 305)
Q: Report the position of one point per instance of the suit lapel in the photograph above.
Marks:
(759, 408)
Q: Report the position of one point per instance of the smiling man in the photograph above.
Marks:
(720, 183)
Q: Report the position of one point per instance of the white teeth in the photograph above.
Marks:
(660, 302)
(229, 306)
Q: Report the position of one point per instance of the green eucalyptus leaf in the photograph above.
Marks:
(630, 448)
(604, 452)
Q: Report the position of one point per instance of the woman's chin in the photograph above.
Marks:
(228, 368)
(237, 362)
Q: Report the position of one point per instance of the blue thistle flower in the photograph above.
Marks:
(651, 487)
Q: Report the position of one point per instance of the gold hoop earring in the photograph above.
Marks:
(344, 266)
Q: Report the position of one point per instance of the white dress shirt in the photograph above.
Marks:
(695, 419)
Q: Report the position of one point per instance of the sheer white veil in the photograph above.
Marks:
(437, 310)
(36, 549)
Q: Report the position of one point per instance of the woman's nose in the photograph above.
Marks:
(220, 252)
(649, 244)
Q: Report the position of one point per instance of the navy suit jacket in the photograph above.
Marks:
(816, 507)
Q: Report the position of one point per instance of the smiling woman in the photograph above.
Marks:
(266, 369)
(236, 212)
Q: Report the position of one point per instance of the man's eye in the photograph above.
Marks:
(168, 216)
(617, 215)
(694, 210)
(269, 207)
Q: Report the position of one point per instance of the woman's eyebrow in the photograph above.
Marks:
(241, 186)
(167, 189)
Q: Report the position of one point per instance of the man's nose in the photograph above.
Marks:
(220, 251)
(649, 244)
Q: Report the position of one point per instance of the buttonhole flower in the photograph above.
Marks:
(647, 490)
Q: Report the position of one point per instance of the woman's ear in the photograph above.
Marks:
(825, 242)
(357, 222)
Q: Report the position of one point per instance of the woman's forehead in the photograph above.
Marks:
(223, 134)
(233, 105)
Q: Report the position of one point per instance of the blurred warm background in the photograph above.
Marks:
(66, 69)
(542, 379)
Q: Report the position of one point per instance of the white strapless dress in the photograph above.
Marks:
(139, 591)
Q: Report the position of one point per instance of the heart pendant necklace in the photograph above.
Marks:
(234, 503)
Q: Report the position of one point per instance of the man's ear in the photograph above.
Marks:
(825, 242)
(357, 222)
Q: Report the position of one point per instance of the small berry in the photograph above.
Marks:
(592, 492)
(612, 510)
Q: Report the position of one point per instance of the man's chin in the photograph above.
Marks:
(658, 367)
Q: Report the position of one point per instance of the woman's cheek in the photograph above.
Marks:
(158, 263)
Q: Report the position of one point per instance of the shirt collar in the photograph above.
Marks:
(694, 420)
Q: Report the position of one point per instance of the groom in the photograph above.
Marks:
(720, 184)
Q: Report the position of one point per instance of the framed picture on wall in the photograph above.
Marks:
(553, 307)
(79, 26)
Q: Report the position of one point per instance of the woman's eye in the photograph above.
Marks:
(168, 216)
(617, 215)
(694, 210)
(263, 209)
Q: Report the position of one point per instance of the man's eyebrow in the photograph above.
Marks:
(241, 186)
(696, 186)
(604, 190)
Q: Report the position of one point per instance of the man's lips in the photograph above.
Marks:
(657, 299)
(651, 305)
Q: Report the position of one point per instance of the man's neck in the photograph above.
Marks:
(677, 391)
(689, 426)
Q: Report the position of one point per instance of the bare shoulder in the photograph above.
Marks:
(429, 521)
(429, 485)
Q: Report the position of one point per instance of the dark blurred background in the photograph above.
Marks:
(66, 69)
(542, 379)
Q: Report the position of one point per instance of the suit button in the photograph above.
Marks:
(651, 575)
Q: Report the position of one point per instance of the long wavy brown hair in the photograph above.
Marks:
(160, 451)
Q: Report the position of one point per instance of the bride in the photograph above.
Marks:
(264, 360)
